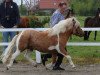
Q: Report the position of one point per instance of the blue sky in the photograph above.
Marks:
(17, 1)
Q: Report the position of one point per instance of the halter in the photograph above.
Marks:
(73, 25)
(74, 22)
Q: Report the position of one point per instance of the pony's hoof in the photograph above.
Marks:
(7, 68)
(35, 65)
(47, 68)
(74, 67)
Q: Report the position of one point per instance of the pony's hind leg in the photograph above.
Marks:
(27, 56)
(17, 52)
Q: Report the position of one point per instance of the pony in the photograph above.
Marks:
(92, 22)
(70, 13)
(51, 41)
(32, 22)
(24, 22)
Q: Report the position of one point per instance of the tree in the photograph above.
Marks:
(23, 10)
(30, 5)
(85, 7)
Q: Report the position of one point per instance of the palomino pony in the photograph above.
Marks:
(92, 22)
(70, 13)
(51, 41)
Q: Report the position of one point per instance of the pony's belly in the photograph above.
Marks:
(42, 47)
(46, 50)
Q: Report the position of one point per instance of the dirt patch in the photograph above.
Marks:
(27, 69)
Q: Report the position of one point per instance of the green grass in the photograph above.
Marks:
(84, 52)
(22, 58)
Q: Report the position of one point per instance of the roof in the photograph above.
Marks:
(49, 4)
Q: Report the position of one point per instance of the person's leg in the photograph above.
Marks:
(58, 62)
(45, 57)
(5, 38)
(12, 34)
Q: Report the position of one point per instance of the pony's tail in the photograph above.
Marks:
(8, 51)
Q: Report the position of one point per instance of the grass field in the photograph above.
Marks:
(80, 54)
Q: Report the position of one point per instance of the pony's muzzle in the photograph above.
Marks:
(81, 33)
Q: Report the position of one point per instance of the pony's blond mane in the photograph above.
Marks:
(63, 25)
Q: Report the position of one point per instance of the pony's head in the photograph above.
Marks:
(68, 25)
(77, 29)
(74, 25)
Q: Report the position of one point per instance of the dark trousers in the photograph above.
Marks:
(59, 59)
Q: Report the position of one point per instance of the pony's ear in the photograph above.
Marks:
(73, 22)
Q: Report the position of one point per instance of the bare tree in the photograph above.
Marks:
(30, 5)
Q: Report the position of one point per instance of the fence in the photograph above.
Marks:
(38, 54)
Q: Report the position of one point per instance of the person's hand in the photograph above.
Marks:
(15, 26)
(2, 27)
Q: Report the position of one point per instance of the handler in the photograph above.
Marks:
(9, 18)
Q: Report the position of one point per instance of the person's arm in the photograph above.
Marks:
(17, 15)
(0, 15)
(0, 19)
(54, 20)
(61, 17)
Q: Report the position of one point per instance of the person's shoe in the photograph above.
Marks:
(43, 61)
(58, 68)
(15, 61)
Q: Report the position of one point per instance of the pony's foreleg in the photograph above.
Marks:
(64, 52)
(27, 56)
(85, 35)
(89, 32)
(95, 35)
(12, 58)
(54, 56)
